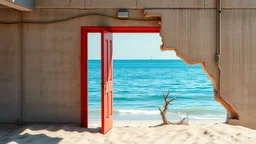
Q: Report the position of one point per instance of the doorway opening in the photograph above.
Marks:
(164, 81)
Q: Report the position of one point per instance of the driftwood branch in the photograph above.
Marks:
(183, 121)
(163, 110)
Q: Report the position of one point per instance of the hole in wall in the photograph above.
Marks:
(141, 73)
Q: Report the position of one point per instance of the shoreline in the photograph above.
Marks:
(157, 116)
(147, 123)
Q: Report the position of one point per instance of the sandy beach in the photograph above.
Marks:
(128, 132)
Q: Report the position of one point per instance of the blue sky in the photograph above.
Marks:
(131, 46)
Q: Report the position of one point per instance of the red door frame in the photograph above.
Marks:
(84, 59)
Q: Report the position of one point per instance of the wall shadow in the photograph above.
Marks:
(39, 133)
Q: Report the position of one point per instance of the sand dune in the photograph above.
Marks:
(127, 132)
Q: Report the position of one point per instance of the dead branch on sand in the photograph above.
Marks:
(163, 111)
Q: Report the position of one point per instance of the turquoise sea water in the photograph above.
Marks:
(138, 86)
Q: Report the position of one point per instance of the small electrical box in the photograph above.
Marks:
(122, 14)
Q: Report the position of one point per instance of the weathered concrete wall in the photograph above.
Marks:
(131, 4)
(51, 73)
(10, 15)
(51, 60)
(238, 62)
(10, 76)
(192, 34)
(142, 4)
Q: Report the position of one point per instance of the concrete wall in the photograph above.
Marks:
(192, 34)
(143, 4)
(43, 52)
(238, 63)
(10, 71)
(51, 73)
(51, 60)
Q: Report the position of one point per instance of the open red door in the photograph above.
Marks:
(106, 81)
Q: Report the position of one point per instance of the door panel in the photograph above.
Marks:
(107, 81)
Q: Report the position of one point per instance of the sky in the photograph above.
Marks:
(131, 46)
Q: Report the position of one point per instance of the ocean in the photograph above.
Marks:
(138, 87)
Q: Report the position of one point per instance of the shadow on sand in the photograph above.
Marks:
(40, 133)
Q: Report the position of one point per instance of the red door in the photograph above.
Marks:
(106, 81)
